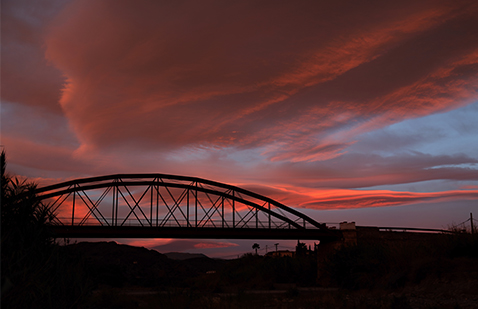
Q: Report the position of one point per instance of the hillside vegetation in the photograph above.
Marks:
(390, 275)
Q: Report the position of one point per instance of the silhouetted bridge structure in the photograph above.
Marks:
(171, 206)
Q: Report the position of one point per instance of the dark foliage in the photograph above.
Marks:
(356, 267)
(392, 265)
(36, 273)
(121, 266)
(253, 271)
(463, 245)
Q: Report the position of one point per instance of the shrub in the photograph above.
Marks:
(357, 266)
(36, 272)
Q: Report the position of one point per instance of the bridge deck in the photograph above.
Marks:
(192, 232)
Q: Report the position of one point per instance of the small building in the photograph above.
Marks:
(347, 225)
(349, 233)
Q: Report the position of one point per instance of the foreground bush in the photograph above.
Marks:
(254, 271)
(395, 264)
(36, 272)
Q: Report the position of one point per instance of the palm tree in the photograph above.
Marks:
(256, 246)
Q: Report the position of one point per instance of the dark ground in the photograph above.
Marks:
(358, 277)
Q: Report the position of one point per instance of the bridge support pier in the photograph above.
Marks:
(327, 248)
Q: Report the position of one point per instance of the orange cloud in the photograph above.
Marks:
(360, 199)
(149, 243)
(470, 187)
(212, 245)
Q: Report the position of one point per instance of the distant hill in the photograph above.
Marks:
(119, 265)
(116, 264)
(181, 256)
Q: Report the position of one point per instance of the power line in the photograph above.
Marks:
(463, 224)
(460, 224)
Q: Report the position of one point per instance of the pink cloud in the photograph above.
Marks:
(39, 155)
(158, 83)
(188, 245)
(329, 198)
(469, 187)
(212, 245)
(149, 243)
(355, 199)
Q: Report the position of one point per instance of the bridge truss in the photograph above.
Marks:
(160, 205)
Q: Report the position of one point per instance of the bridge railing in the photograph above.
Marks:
(108, 221)
(412, 229)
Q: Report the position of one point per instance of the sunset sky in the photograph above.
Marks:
(362, 111)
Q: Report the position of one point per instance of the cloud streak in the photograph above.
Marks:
(359, 199)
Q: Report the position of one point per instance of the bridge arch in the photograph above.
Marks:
(161, 201)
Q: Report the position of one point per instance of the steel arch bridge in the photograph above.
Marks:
(172, 206)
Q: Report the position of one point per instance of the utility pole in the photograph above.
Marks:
(471, 221)
(276, 246)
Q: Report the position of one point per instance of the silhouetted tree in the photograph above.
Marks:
(256, 246)
(35, 274)
(300, 249)
(23, 217)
